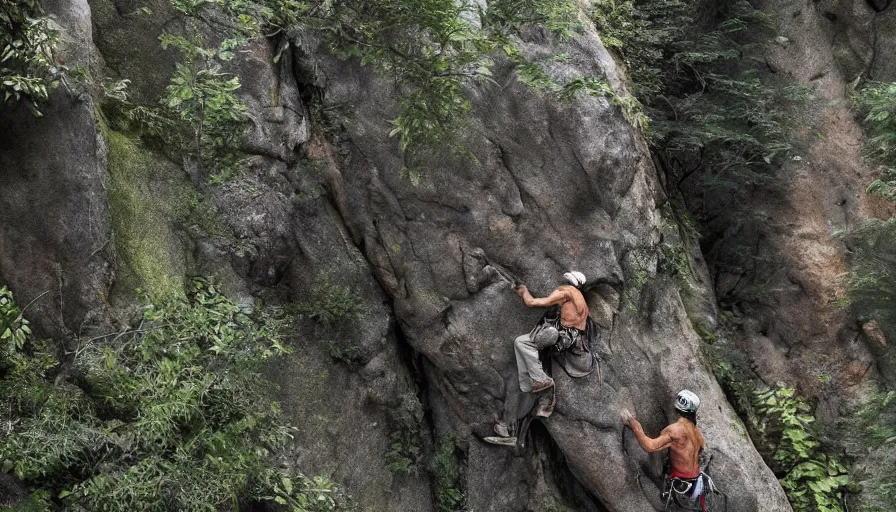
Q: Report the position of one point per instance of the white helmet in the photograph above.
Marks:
(687, 401)
(575, 278)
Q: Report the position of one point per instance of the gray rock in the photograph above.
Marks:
(55, 234)
(585, 193)
(558, 186)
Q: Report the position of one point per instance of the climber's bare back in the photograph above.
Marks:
(573, 309)
(684, 452)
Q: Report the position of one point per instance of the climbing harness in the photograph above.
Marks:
(692, 494)
(573, 350)
(696, 494)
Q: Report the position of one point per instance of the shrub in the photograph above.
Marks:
(711, 112)
(872, 272)
(405, 452)
(27, 65)
(447, 471)
(812, 480)
(333, 304)
(877, 101)
(871, 437)
(171, 415)
(782, 428)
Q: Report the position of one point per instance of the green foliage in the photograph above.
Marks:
(782, 429)
(871, 436)
(870, 433)
(872, 272)
(710, 111)
(333, 304)
(432, 49)
(679, 233)
(878, 103)
(171, 415)
(446, 470)
(201, 98)
(644, 34)
(350, 355)
(812, 480)
(631, 107)
(199, 118)
(673, 261)
(13, 326)
(405, 452)
(27, 65)
(638, 267)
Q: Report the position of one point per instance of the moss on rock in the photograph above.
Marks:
(145, 194)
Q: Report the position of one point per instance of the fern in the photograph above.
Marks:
(878, 103)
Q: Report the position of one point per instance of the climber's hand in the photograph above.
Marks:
(521, 290)
(627, 417)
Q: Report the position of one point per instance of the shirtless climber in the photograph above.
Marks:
(566, 331)
(685, 442)
(573, 318)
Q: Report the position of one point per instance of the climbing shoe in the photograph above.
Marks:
(500, 441)
(541, 385)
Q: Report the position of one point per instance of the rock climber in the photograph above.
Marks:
(566, 333)
(685, 442)
(566, 330)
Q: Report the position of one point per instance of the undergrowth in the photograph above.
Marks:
(783, 430)
(447, 472)
(172, 414)
(28, 67)
(877, 102)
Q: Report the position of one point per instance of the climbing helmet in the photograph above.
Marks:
(687, 401)
(575, 278)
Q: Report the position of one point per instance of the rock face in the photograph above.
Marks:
(783, 269)
(55, 234)
(556, 186)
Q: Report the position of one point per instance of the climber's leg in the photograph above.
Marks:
(531, 374)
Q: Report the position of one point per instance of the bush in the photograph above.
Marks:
(871, 437)
(877, 101)
(872, 272)
(447, 471)
(812, 480)
(405, 452)
(333, 305)
(27, 41)
(171, 415)
(713, 115)
(782, 428)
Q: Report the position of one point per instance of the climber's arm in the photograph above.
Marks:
(558, 296)
(649, 444)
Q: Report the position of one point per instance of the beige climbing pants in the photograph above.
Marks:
(527, 363)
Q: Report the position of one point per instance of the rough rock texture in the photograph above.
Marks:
(559, 186)
(55, 234)
(782, 267)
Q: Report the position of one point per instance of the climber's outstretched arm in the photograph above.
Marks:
(556, 297)
(649, 444)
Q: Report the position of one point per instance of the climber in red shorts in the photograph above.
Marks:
(685, 442)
